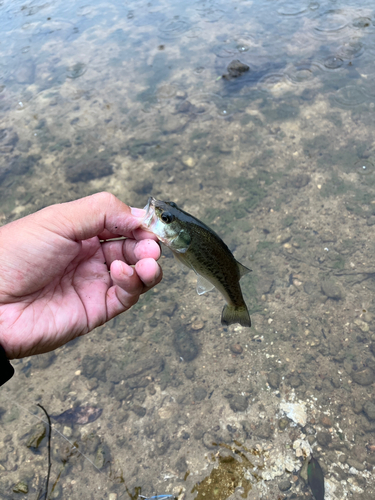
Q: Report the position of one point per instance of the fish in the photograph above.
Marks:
(315, 479)
(199, 248)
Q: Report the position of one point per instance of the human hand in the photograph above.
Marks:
(59, 281)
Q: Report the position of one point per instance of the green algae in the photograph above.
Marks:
(229, 475)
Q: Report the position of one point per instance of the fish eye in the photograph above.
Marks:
(172, 204)
(167, 217)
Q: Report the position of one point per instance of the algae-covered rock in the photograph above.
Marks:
(36, 435)
(101, 457)
(21, 487)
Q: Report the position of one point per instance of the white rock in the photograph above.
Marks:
(295, 411)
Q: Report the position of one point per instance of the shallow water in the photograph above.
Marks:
(128, 97)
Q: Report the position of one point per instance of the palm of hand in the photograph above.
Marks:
(71, 303)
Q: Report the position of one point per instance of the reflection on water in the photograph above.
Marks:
(129, 97)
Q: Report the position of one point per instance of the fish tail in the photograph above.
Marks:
(235, 314)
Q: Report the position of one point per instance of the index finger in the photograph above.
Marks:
(101, 214)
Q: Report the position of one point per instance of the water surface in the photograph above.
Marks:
(129, 97)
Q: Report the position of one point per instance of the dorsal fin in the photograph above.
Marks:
(243, 269)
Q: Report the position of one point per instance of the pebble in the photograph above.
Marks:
(331, 290)
(324, 438)
(199, 393)
(139, 410)
(100, 457)
(67, 431)
(112, 496)
(188, 161)
(165, 412)
(295, 381)
(274, 379)
(369, 409)
(362, 325)
(37, 433)
(364, 377)
(92, 384)
(326, 421)
(354, 463)
(197, 325)
(264, 430)
(236, 349)
(284, 485)
(283, 423)
(238, 403)
(20, 487)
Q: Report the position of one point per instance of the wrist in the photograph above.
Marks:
(6, 369)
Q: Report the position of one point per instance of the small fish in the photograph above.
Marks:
(199, 248)
(80, 415)
(316, 479)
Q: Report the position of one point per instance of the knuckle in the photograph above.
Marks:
(105, 198)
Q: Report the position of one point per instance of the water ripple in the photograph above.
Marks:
(333, 62)
(211, 15)
(208, 105)
(235, 46)
(274, 83)
(76, 70)
(364, 167)
(351, 48)
(331, 23)
(174, 28)
(301, 73)
(292, 9)
(350, 96)
(362, 22)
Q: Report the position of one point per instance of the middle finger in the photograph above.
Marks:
(130, 251)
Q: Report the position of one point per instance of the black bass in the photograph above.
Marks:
(199, 248)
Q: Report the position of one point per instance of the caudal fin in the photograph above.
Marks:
(232, 314)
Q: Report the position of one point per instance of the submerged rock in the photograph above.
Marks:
(80, 415)
(274, 379)
(37, 434)
(21, 487)
(238, 403)
(84, 171)
(235, 69)
(369, 409)
(185, 345)
(364, 377)
(332, 290)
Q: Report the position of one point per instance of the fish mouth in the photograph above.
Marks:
(150, 212)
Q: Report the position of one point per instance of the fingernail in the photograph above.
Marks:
(128, 271)
(138, 212)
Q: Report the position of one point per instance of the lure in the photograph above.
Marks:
(158, 497)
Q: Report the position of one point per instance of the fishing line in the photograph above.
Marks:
(55, 430)
(137, 489)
